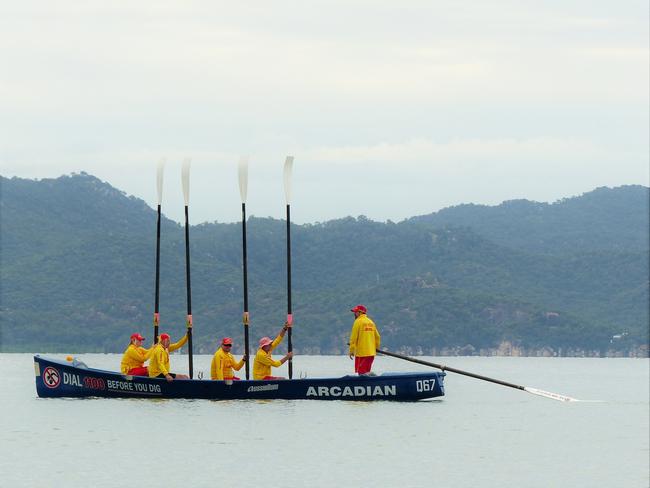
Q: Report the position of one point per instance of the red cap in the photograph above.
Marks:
(265, 341)
(164, 336)
(226, 340)
(137, 337)
(359, 308)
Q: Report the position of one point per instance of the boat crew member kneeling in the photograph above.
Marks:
(134, 357)
(159, 362)
(223, 362)
(263, 360)
(364, 340)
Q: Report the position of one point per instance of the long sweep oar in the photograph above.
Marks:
(156, 312)
(243, 187)
(185, 173)
(534, 391)
(288, 165)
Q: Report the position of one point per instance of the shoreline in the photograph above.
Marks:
(633, 353)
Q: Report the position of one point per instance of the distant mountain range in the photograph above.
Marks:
(77, 274)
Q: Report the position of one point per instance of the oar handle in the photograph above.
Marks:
(247, 344)
(189, 346)
(156, 323)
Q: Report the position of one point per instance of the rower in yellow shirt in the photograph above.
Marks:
(159, 362)
(263, 359)
(223, 362)
(134, 357)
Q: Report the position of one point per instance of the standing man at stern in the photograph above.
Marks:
(364, 340)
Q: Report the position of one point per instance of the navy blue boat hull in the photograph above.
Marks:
(55, 378)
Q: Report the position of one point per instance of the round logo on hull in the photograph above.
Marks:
(51, 377)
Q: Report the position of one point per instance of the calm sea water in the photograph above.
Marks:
(479, 435)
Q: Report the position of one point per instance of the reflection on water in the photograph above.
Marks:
(480, 434)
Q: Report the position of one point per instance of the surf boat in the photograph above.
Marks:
(73, 379)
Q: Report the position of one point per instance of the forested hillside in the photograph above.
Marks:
(606, 219)
(77, 274)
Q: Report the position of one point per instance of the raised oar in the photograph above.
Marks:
(156, 312)
(243, 187)
(288, 166)
(185, 173)
(534, 391)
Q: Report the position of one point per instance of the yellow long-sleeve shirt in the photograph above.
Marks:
(159, 362)
(364, 338)
(222, 365)
(134, 357)
(264, 361)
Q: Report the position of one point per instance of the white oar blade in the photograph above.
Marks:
(185, 174)
(548, 394)
(159, 179)
(243, 177)
(288, 168)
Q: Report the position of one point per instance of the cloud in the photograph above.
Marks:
(505, 91)
(418, 151)
(176, 57)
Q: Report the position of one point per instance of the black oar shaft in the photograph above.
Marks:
(156, 311)
(189, 290)
(289, 312)
(453, 370)
(245, 272)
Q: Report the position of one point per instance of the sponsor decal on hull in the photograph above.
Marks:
(252, 389)
(53, 378)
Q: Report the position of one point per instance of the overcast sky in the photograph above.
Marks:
(391, 109)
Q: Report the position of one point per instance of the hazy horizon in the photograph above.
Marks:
(251, 213)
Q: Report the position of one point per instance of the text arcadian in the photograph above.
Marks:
(352, 391)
